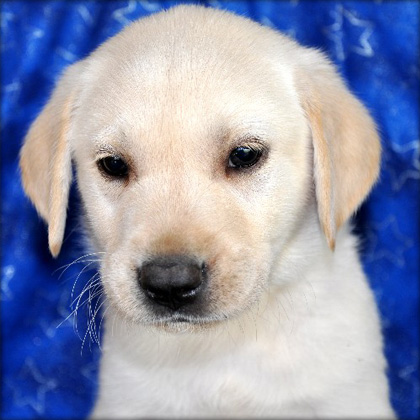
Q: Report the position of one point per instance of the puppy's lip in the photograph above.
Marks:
(178, 321)
(178, 318)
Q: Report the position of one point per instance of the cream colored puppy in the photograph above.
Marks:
(216, 160)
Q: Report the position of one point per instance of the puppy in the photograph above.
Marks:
(216, 161)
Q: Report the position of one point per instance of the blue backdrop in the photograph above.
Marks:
(48, 371)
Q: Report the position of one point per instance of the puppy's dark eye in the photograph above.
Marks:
(243, 157)
(114, 166)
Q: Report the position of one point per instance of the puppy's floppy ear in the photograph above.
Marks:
(45, 158)
(345, 141)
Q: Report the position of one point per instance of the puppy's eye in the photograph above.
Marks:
(114, 166)
(243, 157)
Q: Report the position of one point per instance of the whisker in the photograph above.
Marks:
(78, 306)
(92, 295)
(90, 331)
(93, 281)
(76, 261)
(77, 278)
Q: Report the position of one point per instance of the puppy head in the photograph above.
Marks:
(195, 134)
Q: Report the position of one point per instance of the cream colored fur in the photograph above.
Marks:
(292, 329)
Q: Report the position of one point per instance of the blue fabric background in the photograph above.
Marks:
(47, 371)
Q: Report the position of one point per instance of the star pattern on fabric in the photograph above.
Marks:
(8, 272)
(266, 21)
(411, 171)
(90, 371)
(376, 251)
(85, 14)
(29, 389)
(6, 21)
(6, 18)
(216, 4)
(66, 54)
(335, 32)
(63, 319)
(150, 6)
(120, 15)
(30, 379)
(35, 33)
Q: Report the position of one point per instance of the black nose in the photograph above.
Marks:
(172, 281)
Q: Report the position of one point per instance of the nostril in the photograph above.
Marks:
(186, 292)
(153, 293)
(172, 281)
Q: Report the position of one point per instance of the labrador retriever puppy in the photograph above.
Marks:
(218, 163)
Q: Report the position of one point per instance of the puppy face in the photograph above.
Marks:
(177, 132)
(191, 136)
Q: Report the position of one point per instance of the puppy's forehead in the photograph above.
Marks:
(165, 74)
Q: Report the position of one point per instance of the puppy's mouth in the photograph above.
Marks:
(182, 318)
(182, 323)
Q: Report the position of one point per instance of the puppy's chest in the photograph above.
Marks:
(210, 390)
(202, 390)
(235, 381)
